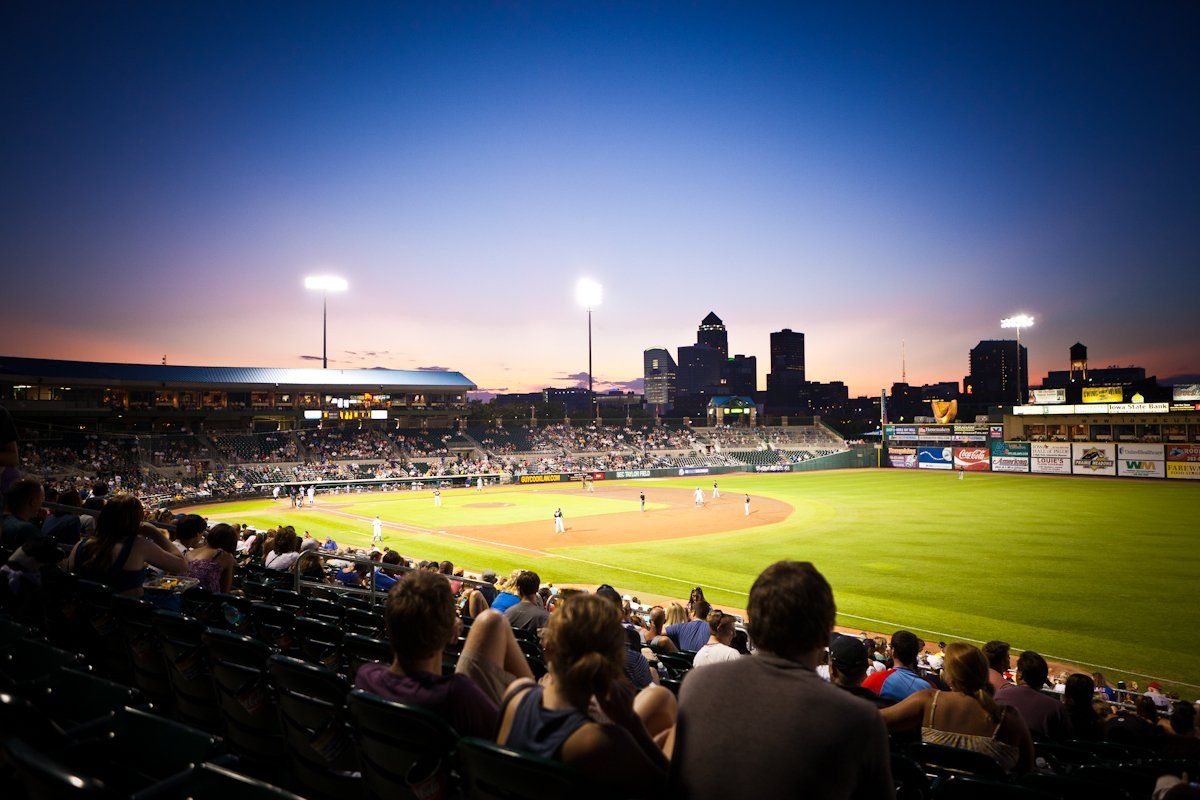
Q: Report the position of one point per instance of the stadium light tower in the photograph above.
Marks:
(588, 294)
(1018, 322)
(325, 284)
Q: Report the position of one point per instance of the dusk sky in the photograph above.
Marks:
(863, 173)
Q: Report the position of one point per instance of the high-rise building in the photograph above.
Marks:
(786, 387)
(739, 375)
(995, 374)
(659, 374)
(698, 370)
(712, 333)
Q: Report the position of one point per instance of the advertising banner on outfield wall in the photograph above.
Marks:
(1014, 449)
(772, 467)
(972, 459)
(935, 458)
(631, 473)
(1010, 464)
(1103, 394)
(935, 433)
(1093, 459)
(902, 433)
(1141, 461)
(1047, 397)
(1183, 452)
(902, 457)
(1186, 393)
(547, 477)
(1050, 458)
(1187, 470)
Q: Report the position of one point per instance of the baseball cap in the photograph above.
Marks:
(608, 593)
(848, 654)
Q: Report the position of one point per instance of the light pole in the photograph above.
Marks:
(325, 284)
(1018, 322)
(588, 294)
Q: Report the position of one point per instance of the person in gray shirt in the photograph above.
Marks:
(791, 733)
(529, 614)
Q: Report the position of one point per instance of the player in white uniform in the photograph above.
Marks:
(479, 484)
(312, 492)
(437, 497)
(377, 531)
(559, 525)
(747, 505)
(698, 498)
(275, 493)
(716, 491)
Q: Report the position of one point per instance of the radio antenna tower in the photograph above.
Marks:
(903, 364)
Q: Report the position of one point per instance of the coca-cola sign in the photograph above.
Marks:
(972, 459)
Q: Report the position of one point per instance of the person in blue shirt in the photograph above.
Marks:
(902, 679)
(330, 545)
(693, 634)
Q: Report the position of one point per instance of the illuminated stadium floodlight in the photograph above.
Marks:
(325, 284)
(588, 294)
(1019, 321)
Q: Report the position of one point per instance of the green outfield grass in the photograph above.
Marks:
(1094, 571)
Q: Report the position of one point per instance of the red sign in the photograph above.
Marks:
(972, 459)
(597, 476)
(1183, 452)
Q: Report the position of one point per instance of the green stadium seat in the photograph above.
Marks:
(102, 640)
(288, 598)
(211, 781)
(942, 760)
(358, 650)
(316, 728)
(492, 772)
(318, 642)
(26, 663)
(366, 623)
(273, 624)
(42, 778)
(325, 610)
(911, 781)
(192, 693)
(244, 695)
(1121, 776)
(78, 701)
(394, 738)
(134, 618)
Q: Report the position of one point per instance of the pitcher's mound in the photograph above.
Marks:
(486, 505)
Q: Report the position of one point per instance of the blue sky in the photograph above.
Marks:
(865, 174)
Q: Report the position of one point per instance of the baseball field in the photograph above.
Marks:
(1097, 572)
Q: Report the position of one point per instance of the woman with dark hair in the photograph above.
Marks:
(585, 652)
(210, 558)
(122, 548)
(966, 717)
(285, 550)
(1078, 695)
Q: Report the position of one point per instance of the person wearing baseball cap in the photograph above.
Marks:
(848, 668)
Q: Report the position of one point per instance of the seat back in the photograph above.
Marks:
(244, 695)
(27, 663)
(214, 781)
(1071, 788)
(493, 772)
(288, 598)
(45, 779)
(101, 636)
(367, 623)
(318, 642)
(77, 701)
(1135, 782)
(273, 624)
(910, 779)
(358, 650)
(963, 787)
(943, 760)
(324, 609)
(393, 738)
(316, 727)
(192, 691)
(134, 617)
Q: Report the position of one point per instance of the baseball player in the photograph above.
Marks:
(642, 498)
(591, 485)
(716, 491)
(961, 473)
(698, 497)
(479, 484)
(312, 492)
(437, 497)
(275, 493)
(747, 505)
(376, 531)
(559, 525)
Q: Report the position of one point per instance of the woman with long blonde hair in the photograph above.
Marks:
(966, 717)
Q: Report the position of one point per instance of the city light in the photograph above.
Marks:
(326, 283)
(588, 293)
(1018, 322)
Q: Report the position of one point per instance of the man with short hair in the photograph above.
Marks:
(22, 503)
(902, 679)
(529, 614)
(98, 497)
(421, 622)
(693, 634)
(999, 661)
(637, 668)
(848, 668)
(794, 734)
(488, 587)
(1045, 716)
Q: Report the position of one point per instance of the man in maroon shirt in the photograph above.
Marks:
(1045, 716)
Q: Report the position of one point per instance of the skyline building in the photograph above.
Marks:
(659, 373)
(712, 332)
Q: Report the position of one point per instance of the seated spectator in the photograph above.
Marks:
(848, 664)
(188, 532)
(68, 527)
(1182, 741)
(22, 507)
(330, 546)
(488, 587)
(1137, 728)
(637, 668)
(999, 661)
(1102, 687)
(98, 496)
(1154, 692)
(902, 679)
(507, 597)
(967, 716)
(676, 614)
(1045, 716)
(210, 557)
(794, 735)
(584, 645)
(123, 547)
(421, 623)
(1082, 720)
(721, 629)
(656, 636)
(530, 614)
(285, 549)
(21, 577)
(447, 569)
(693, 634)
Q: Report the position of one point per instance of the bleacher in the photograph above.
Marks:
(758, 458)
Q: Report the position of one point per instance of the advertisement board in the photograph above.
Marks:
(902, 433)
(772, 468)
(693, 471)
(1187, 470)
(1012, 449)
(935, 458)
(972, 459)
(996, 431)
(1183, 452)
(632, 473)
(902, 457)
(1050, 458)
(1186, 393)
(935, 433)
(1044, 397)
(1102, 394)
(1093, 459)
(1141, 461)
(547, 477)
(1010, 463)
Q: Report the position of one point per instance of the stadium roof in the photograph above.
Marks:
(43, 370)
